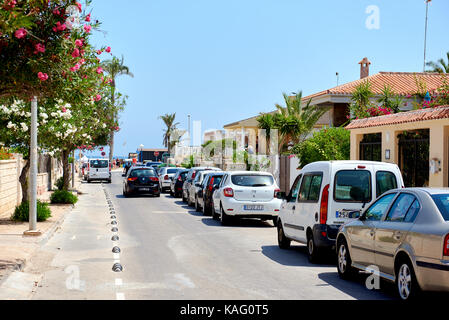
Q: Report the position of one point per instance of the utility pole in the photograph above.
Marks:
(425, 34)
(33, 172)
(190, 138)
(73, 171)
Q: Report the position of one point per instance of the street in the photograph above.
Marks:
(169, 251)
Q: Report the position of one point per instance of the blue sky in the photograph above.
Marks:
(226, 60)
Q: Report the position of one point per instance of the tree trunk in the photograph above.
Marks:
(66, 169)
(23, 179)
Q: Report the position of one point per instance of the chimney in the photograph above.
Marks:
(364, 68)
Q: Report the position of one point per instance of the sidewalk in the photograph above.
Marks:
(15, 248)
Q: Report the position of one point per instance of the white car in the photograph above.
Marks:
(166, 175)
(99, 170)
(246, 194)
(328, 194)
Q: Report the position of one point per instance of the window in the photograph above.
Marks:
(172, 170)
(353, 186)
(310, 187)
(99, 164)
(412, 212)
(252, 180)
(385, 181)
(216, 180)
(378, 209)
(400, 208)
(295, 190)
(142, 173)
(442, 202)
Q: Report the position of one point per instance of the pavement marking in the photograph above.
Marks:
(118, 282)
(73, 238)
(116, 261)
(120, 296)
(116, 256)
(98, 237)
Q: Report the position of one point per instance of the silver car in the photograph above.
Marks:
(404, 235)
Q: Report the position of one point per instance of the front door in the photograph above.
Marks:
(288, 208)
(362, 235)
(391, 232)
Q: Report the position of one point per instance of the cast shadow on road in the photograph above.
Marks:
(296, 256)
(189, 209)
(238, 223)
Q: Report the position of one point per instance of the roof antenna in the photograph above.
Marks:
(338, 77)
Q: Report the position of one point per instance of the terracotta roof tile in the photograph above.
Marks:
(402, 83)
(401, 117)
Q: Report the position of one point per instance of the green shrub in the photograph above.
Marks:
(22, 212)
(63, 197)
(60, 183)
(325, 145)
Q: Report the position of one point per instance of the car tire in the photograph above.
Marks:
(125, 194)
(283, 241)
(109, 181)
(183, 198)
(344, 267)
(224, 218)
(197, 205)
(312, 250)
(406, 283)
(275, 221)
(215, 216)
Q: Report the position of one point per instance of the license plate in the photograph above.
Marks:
(144, 189)
(253, 207)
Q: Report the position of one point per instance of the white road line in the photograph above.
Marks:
(73, 238)
(116, 256)
(118, 282)
(98, 237)
(116, 260)
(120, 296)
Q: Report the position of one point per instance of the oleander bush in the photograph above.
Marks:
(22, 212)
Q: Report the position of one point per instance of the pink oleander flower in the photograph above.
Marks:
(87, 28)
(108, 50)
(42, 76)
(64, 110)
(75, 68)
(76, 53)
(97, 97)
(88, 18)
(99, 52)
(21, 33)
(99, 70)
(39, 48)
(80, 7)
(79, 43)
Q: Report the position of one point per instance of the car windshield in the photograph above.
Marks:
(142, 173)
(353, 186)
(252, 180)
(442, 202)
(99, 164)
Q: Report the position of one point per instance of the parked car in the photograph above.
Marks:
(141, 180)
(190, 177)
(405, 233)
(166, 175)
(328, 194)
(210, 182)
(177, 182)
(246, 194)
(99, 170)
(195, 187)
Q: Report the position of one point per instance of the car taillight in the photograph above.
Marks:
(132, 179)
(154, 179)
(276, 192)
(446, 246)
(228, 192)
(324, 205)
(193, 175)
(166, 177)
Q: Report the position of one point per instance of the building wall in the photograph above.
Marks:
(439, 145)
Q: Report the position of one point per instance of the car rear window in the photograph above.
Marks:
(99, 164)
(183, 175)
(172, 170)
(252, 180)
(385, 181)
(353, 186)
(442, 202)
(142, 173)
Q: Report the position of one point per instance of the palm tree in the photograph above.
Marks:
(295, 121)
(114, 68)
(440, 66)
(266, 122)
(171, 128)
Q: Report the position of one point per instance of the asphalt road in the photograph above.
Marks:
(169, 251)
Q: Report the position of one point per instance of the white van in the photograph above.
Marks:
(326, 195)
(99, 170)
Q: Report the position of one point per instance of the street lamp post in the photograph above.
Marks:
(425, 35)
(141, 152)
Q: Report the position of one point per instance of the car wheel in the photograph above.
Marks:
(224, 218)
(183, 198)
(312, 250)
(275, 221)
(214, 213)
(344, 267)
(406, 283)
(283, 241)
(197, 205)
